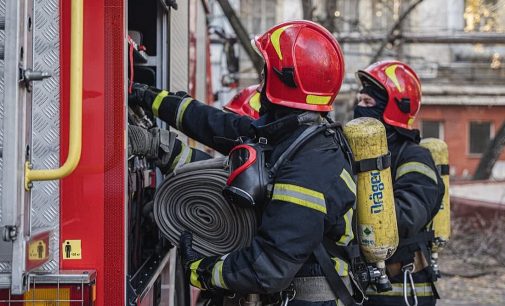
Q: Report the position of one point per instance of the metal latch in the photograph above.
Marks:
(29, 75)
(169, 3)
(10, 233)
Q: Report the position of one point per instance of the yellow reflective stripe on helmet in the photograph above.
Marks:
(255, 102)
(157, 101)
(411, 121)
(341, 266)
(180, 112)
(416, 167)
(422, 290)
(317, 100)
(348, 234)
(217, 275)
(391, 73)
(276, 40)
(193, 278)
(300, 196)
(348, 180)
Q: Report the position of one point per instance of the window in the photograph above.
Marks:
(484, 16)
(480, 135)
(434, 129)
(258, 15)
(384, 14)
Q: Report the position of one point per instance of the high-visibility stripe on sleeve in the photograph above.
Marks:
(157, 101)
(299, 196)
(180, 112)
(184, 157)
(417, 167)
(193, 278)
(348, 234)
(348, 180)
(217, 275)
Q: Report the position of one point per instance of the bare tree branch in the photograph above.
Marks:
(391, 37)
(242, 34)
(491, 155)
(329, 22)
(355, 23)
(307, 9)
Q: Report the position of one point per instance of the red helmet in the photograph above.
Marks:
(304, 65)
(403, 88)
(246, 102)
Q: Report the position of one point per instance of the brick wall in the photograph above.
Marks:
(456, 121)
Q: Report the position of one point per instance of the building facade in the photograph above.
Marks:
(463, 80)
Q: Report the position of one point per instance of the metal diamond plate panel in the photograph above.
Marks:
(45, 122)
(4, 254)
(179, 46)
(2, 43)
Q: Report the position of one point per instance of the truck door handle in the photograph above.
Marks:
(75, 134)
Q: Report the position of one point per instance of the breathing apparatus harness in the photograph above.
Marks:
(251, 176)
(251, 183)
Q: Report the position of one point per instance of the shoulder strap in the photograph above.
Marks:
(407, 247)
(295, 145)
(344, 144)
(336, 284)
(348, 252)
(400, 152)
(422, 237)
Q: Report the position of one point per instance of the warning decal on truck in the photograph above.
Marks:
(71, 249)
(38, 250)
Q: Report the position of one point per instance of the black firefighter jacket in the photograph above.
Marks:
(418, 187)
(313, 196)
(418, 191)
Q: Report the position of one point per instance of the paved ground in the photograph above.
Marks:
(486, 289)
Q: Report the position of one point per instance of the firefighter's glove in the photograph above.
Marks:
(155, 144)
(145, 96)
(198, 267)
(166, 141)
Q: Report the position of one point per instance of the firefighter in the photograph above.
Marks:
(312, 194)
(391, 93)
(246, 102)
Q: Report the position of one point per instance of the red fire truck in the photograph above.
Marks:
(76, 211)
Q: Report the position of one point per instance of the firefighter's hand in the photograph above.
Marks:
(136, 96)
(142, 95)
(188, 254)
(198, 267)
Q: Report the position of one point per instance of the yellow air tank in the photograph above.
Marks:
(377, 228)
(441, 224)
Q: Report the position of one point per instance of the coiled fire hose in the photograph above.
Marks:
(191, 199)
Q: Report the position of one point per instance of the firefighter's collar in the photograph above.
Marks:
(276, 130)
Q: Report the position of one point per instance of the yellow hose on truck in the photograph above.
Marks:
(377, 228)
